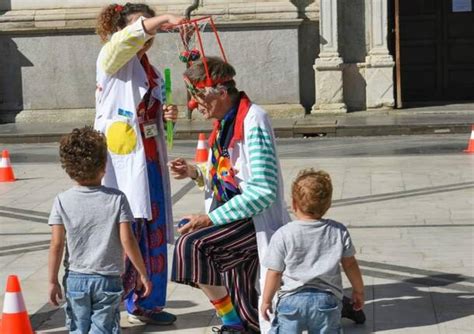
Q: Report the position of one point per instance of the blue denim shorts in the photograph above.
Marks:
(308, 309)
(93, 303)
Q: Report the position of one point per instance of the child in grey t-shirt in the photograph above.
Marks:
(96, 221)
(303, 263)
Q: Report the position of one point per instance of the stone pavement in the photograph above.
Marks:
(428, 120)
(411, 218)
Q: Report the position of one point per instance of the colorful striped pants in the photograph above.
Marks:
(223, 255)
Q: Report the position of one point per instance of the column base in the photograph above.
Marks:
(329, 86)
(330, 108)
(380, 82)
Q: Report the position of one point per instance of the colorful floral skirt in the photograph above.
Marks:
(151, 236)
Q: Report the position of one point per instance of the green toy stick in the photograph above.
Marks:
(169, 100)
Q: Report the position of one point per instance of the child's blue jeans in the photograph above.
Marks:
(309, 309)
(93, 303)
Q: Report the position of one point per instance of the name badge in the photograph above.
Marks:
(150, 129)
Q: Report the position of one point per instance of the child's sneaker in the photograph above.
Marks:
(159, 318)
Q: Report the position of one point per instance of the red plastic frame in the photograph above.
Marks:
(194, 22)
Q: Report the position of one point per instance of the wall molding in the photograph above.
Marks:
(224, 14)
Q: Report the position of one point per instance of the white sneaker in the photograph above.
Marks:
(133, 319)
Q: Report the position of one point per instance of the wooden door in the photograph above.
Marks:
(436, 48)
(458, 53)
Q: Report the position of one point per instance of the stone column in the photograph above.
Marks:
(328, 66)
(379, 63)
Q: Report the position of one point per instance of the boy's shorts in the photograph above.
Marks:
(93, 303)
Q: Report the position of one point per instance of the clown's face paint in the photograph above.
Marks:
(211, 102)
(211, 105)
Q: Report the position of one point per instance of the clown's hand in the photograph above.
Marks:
(170, 112)
(180, 169)
(196, 222)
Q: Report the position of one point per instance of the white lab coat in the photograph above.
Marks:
(117, 98)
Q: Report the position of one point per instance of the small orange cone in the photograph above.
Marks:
(470, 144)
(6, 170)
(202, 149)
(15, 318)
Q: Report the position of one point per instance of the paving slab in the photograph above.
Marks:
(413, 229)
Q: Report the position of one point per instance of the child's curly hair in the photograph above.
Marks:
(83, 153)
(115, 17)
(312, 192)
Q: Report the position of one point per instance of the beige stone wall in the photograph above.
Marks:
(53, 42)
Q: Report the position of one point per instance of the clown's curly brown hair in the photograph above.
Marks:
(83, 154)
(115, 17)
(312, 192)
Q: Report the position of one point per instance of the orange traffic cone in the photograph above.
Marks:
(470, 144)
(202, 149)
(6, 170)
(15, 318)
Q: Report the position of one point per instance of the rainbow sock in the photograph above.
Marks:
(227, 312)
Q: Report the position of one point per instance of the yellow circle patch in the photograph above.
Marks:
(121, 138)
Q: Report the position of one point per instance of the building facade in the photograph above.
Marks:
(296, 57)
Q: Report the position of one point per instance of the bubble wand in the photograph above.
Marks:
(169, 100)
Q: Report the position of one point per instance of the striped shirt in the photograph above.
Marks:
(123, 45)
(262, 187)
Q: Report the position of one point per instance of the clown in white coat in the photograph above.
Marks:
(130, 111)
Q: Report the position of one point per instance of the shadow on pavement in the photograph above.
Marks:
(414, 298)
(394, 306)
(415, 302)
(403, 194)
(54, 321)
(403, 305)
